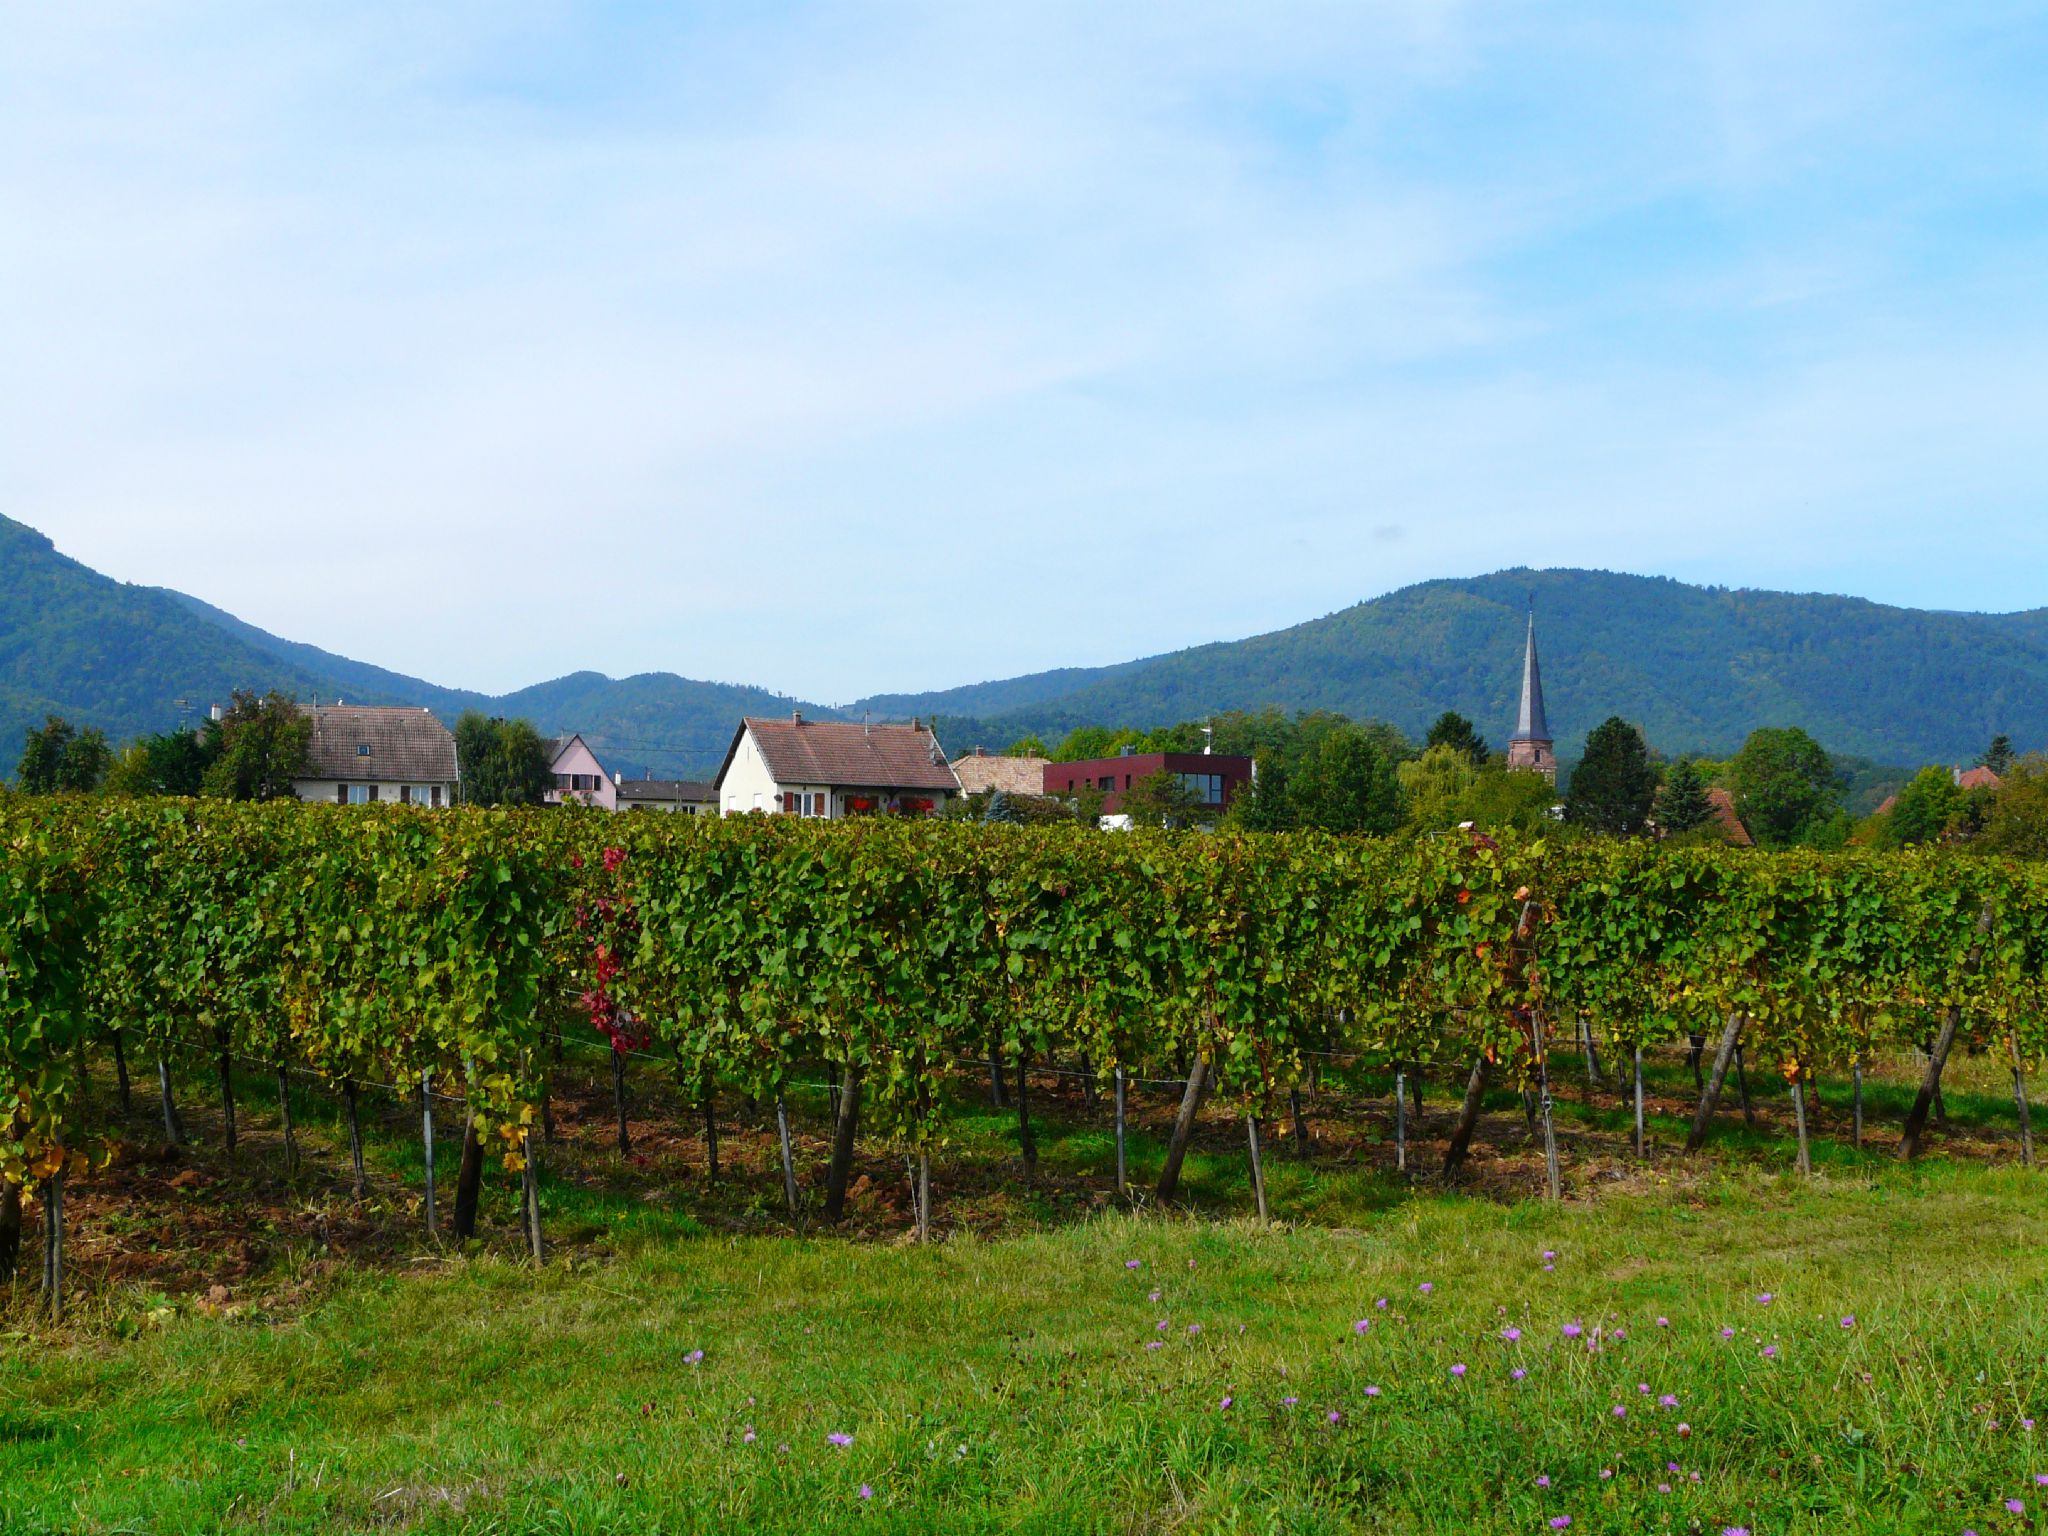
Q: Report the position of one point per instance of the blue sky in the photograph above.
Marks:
(847, 348)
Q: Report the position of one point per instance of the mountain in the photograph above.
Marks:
(1697, 668)
(131, 659)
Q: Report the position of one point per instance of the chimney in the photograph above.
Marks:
(796, 717)
(913, 722)
(213, 713)
(864, 722)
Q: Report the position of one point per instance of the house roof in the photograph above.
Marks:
(1979, 777)
(1731, 824)
(406, 745)
(559, 748)
(667, 791)
(800, 751)
(1012, 775)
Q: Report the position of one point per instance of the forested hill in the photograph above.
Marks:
(1696, 667)
(131, 659)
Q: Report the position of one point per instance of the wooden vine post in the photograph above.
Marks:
(1251, 1130)
(426, 1144)
(1640, 1153)
(1937, 1055)
(1183, 1128)
(1400, 1122)
(843, 1132)
(1710, 1096)
(1799, 1117)
(53, 1245)
(788, 1157)
(1123, 1171)
(2019, 1098)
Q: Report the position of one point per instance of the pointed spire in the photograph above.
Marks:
(1530, 724)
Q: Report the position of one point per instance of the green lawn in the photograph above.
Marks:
(1005, 1379)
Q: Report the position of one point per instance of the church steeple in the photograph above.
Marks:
(1530, 746)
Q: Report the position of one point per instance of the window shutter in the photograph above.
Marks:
(405, 794)
(373, 793)
(341, 794)
(434, 796)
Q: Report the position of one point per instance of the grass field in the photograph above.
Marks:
(1055, 1364)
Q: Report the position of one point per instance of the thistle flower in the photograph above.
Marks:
(1372, 1391)
(1542, 1480)
(1667, 1401)
(1426, 1287)
(1132, 1263)
(1572, 1330)
(866, 1492)
(1361, 1325)
(1458, 1370)
(839, 1439)
(1560, 1522)
(1512, 1335)
(1849, 1321)
(1517, 1373)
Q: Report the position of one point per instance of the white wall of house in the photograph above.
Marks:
(747, 785)
(324, 791)
(576, 761)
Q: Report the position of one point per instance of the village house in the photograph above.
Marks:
(681, 797)
(580, 776)
(369, 754)
(982, 772)
(833, 768)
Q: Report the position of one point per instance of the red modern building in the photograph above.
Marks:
(1215, 780)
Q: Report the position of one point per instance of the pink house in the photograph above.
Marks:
(580, 776)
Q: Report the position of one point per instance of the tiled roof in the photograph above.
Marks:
(667, 791)
(800, 751)
(1979, 777)
(1012, 775)
(406, 745)
(1731, 824)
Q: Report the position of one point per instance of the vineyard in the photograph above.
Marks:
(454, 955)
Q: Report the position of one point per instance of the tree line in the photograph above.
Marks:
(255, 749)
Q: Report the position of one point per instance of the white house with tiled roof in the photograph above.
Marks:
(369, 754)
(833, 768)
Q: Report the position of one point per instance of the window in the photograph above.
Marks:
(1205, 787)
(374, 792)
(1106, 783)
(434, 796)
(358, 794)
(341, 794)
(405, 794)
(362, 749)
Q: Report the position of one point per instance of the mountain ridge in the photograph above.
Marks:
(1696, 666)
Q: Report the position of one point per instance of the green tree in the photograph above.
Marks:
(1000, 810)
(1438, 788)
(1682, 805)
(1504, 799)
(1998, 757)
(1614, 785)
(1455, 731)
(1926, 807)
(1785, 788)
(170, 763)
(1162, 799)
(57, 758)
(2017, 823)
(263, 745)
(1264, 804)
(502, 762)
(1028, 746)
(1349, 785)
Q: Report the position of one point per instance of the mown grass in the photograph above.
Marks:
(1003, 1379)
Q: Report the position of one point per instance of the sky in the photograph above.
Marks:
(844, 349)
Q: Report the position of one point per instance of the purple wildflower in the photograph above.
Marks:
(1155, 1344)
(694, 1357)
(866, 1492)
(1727, 1333)
(839, 1439)
(1770, 1351)
(1606, 1473)
(1381, 1304)
(1620, 1412)
(1361, 1325)
(1425, 1288)
(1549, 1253)
(1372, 1391)
(1560, 1522)
(1663, 1487)
(1512, 1335)
(1224, 1406)
(1572, 1330)
(1667, 1401)
(1517, 1373)
(2015, 1507)
(1458, 1370)
(1849, 1321)
(1764, 1299)
(1289, 1402)
(1132, 1263)
(749, 1437)
(1194, 1327)
(1543, 1480)
(1663, 1322)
